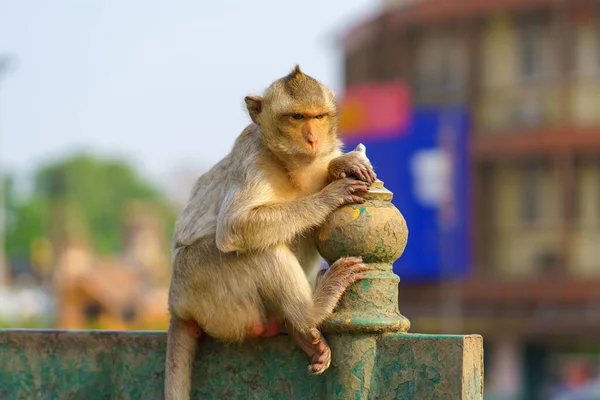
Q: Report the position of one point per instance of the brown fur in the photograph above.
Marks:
(243, 252)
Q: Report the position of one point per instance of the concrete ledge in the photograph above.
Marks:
(130, 365)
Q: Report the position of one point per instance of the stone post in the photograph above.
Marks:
(377, 232)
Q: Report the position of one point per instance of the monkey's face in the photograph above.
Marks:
(308, 132)
(297, 117)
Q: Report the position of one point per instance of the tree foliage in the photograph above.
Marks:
(95, 192)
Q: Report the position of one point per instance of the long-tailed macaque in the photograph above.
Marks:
(243, 251)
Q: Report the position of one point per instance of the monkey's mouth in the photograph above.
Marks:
(309, 155)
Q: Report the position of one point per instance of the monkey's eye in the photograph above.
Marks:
(297, 116)
(320, 116)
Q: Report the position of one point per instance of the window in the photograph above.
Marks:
(576, 211)
(449, 70)
(572, 49)
(530, 49)
(597, 15)
(597, 165)
(530, 193)
(439, 65)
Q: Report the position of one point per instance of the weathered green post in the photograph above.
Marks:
(377, 232)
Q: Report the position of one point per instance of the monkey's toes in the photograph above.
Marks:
(317, 349)
(351, 260)
(359, 268)
(348, 270)
(315, 336)
(321, 358)
(346, 262)
(355, 274)
(318, 367)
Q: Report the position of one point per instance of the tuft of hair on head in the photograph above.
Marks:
(294, 77)
(295, 72)
(298, 84)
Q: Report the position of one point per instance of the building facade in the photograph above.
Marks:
(529, 73)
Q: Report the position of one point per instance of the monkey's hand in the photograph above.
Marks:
(343, 191)
(352, 164)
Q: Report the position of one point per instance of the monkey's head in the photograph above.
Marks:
(297, 116)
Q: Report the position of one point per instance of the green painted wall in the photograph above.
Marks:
(130, 365)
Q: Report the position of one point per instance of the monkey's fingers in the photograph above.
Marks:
(354, 200)
(373, 175)
(367, 171)
(359, 186)
(367, 174)
(370, 174)
(358, 172)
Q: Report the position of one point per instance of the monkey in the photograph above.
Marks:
(243, 252)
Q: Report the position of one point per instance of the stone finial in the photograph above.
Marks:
(377, 232)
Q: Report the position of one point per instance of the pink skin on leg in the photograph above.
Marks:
(273, 329)
(260, 330)
(194, 329)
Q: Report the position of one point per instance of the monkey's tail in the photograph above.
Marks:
(181, 350)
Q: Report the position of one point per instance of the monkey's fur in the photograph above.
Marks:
(243, 250)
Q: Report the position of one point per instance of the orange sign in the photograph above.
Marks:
(375, 110)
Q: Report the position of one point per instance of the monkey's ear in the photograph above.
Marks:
(254, 106)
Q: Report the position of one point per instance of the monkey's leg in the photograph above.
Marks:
(182, 339)
(308, 256)
(313, 342)
(320, 276)
(219, 291)
(302, 310)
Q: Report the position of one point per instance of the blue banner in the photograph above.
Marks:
(426, 165)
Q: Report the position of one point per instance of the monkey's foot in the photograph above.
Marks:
(314, 344)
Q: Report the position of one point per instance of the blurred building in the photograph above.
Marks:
(528, 72)
(116, 292)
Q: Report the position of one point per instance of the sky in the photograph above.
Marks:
(158, 83)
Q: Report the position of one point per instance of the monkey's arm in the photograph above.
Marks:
(248, 222)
